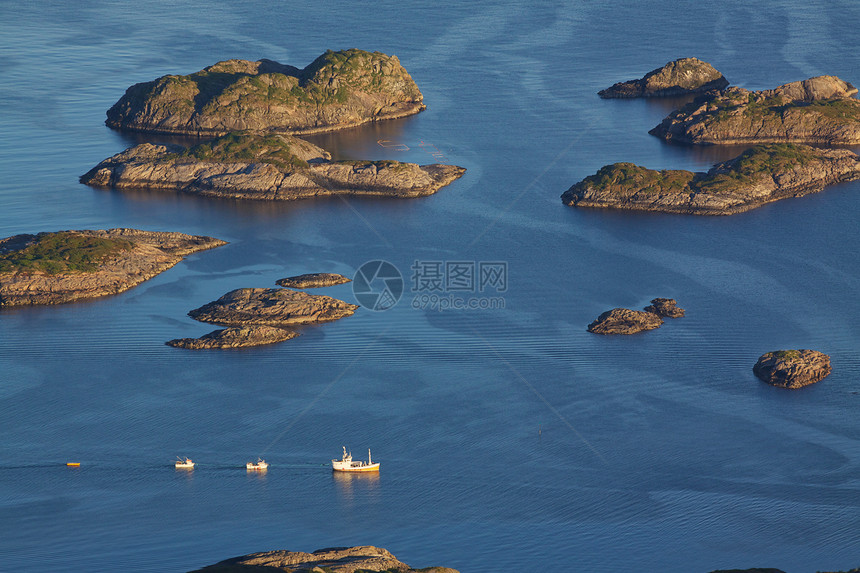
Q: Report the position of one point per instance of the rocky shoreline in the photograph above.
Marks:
(681, 77)
(331, 560)
(130, 257)
(819, 110)
(337, 90)
(761, 175)
(264, 167)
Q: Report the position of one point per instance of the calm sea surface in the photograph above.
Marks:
(510, 439)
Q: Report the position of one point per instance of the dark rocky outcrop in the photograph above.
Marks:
(263, 167)
(624, 321)
(333, 560)
(681, 77)
(272, 307)
(337, 90)
(54, 268)
(760, 175)
(313, 280)
(792, 368)
(237, 337)
(665, 308)
(818, 110)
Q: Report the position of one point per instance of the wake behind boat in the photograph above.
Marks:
(346, 464)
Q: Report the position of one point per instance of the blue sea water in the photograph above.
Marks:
(510, 438)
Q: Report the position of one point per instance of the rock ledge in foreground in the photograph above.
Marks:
(792, 368)
(681, 77)
(332, 560)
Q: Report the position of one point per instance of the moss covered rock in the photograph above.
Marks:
(792, 368)
(337, 90)
(817, 110)
(249, 165)
(760, 175)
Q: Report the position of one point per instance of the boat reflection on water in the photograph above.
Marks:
(351, 486)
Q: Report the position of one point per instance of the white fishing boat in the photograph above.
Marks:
(184, 464)
(259, 466)
(347, 464)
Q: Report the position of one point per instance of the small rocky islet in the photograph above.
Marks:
(760, 175)
(628, 321)
(333, 560)
(258, 316)
(339, 89)
(680, 77)
(66, 266)
(820, 110)
(313, 280)
(250, 165)
(792, 368)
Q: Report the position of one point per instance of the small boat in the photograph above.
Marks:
(184, 464)
(259, 466)
(73, 464)
(346, 464)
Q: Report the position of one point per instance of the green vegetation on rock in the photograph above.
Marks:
(62, 252)
(761, 161)
(337, 89)
(622, 177)
(247, 147)
(787, 354)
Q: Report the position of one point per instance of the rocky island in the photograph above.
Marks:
(337, 90)
(272, 307)
(237, 337)
(792, 368)
(263, 167)
(257, 316)
(627, 321)
(332, 560)
(818, 110)
(313, 280)
(760, 175)
(65, 266)
(681, 77)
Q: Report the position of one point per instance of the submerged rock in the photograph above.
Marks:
(624, 321)
(333, 560)
(792, 368)
(313, 280)
(263, 167)
(237, 337)
(817, 110)
(273, 307)
(681, 77)
(337, 90)
(760, 175)
(54, 268)
(665, 308)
